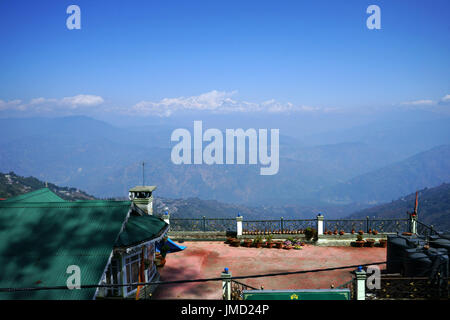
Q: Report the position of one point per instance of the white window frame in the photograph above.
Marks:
(125, 271)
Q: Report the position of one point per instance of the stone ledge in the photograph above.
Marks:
(324, 240)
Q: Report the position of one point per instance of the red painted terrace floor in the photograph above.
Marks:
(208, 259)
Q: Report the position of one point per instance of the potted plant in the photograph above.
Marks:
(375, 232)
(370, 231)
(258, 242)
(370, 242)
(247, 243)
(160, 260)
(383, 243)
(310, 233)
(236, 243)
(342, 232)
(298, 244)
(269, 241)
(335, 232)
(229, 239)
(330, 232)
(360, 232)
(359, 241)
(353, 231)
(287, 245)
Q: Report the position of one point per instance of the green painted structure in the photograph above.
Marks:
(40, 236)
(41, 195)
(140, 229)
(305, 294)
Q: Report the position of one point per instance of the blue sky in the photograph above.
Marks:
(167, 56)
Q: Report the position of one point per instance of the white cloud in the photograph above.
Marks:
(215, 102)
(446, 98)
(5, 105)
(82, 100)
(42, 104)
(419, 103)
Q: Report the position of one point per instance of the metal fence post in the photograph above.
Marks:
(204, 223)
(367, 224)
(226, 284)
(282, 225)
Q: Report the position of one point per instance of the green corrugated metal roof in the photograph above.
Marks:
(41, 195)
(140, 229)
(38, 241)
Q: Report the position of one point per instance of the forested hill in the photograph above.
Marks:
(433, 209)
(12, 185)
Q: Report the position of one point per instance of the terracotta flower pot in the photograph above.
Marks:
(236, 243)
(160, 262)
(247, 243)
(370, 242)
(359, 243)
(341, 233)
(353, 231)
(361, 232)
(375, 232)
(383, 243)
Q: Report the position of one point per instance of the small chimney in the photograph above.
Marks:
(143, 198)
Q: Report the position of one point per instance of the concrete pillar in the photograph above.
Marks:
(413, 218)
(360, 284)
(226, 284)
(166, 218)
(320, 224)
(239, 220)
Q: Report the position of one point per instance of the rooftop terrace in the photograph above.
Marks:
(207, 259)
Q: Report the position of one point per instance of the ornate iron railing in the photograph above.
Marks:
(425, 230)
(349, 285)
(298, 226)
(344, 224)
(203, 224)
(295, 226)
(381, 225)
(408, 288)
(389, 225)
(286, 226)
(237, 288)
(261, 226)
